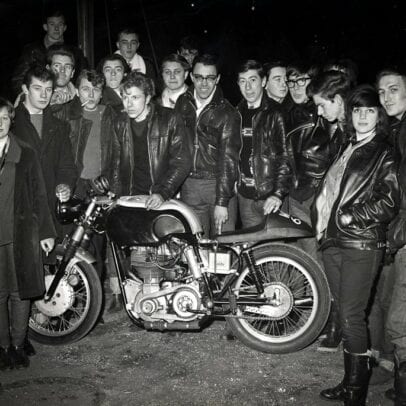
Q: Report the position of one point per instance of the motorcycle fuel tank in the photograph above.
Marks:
(129, 223)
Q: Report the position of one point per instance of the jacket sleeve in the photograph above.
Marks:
(180, 160)
(40, 201)
(228, 155)
(383, 202)
(283, 157)
(66, 170)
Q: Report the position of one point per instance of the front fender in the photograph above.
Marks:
(82, 255)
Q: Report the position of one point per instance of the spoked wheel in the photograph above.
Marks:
(297, 305)
(73, 309)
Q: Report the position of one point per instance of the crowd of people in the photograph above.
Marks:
(303, 139)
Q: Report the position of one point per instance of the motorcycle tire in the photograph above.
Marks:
(72, 311)
(299, 301)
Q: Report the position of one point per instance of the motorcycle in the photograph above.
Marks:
(273, 295)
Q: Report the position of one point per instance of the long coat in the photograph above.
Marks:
(54, 151)
(32, 222)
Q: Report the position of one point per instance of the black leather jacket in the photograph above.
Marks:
(314, 148)
(369, 195)
(72, 113)
(168, 149)
(214, 140)
(271, 167)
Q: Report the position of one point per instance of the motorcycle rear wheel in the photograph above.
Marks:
(301, 301)
(73, 309)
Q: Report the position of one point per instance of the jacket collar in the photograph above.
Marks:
(217, 97)
(265, 103)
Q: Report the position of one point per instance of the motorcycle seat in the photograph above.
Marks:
(276, 226)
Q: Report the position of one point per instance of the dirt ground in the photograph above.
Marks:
(118, 365)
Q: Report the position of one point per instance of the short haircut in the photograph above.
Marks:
(251, 64)
(113, 57)
(391, 70)
(328, 84)
(299, 68)
(39, 72)
(189, 42)
(128, 30)
(207, 60)
(366, 96)
(175, 58)
(54, 13)
(95, 78)
(4, 103)
(268, 66)
(140, 80)
(345, 65)
(59, 50)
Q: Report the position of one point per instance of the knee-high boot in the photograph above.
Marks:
(353, 389)
(359, 368)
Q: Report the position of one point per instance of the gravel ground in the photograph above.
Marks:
(117, 364)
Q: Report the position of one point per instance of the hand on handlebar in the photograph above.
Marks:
(63, 192)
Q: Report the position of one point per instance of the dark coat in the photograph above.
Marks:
(369, 196)
(111, 98)
(271, 167)
(72, 113)
(169, 156)
(32, 223)
(53, 149)
(314, 148)
(214, 141)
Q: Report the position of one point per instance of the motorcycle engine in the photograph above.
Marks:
(162, 289)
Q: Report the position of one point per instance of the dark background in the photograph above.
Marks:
(372, 34)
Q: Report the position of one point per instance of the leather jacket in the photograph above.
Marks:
(314, 145)
(169, 155)
(271, 154)
(214, 141)
(368, 199)
(80, 127)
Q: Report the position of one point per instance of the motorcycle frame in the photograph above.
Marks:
(218, 299)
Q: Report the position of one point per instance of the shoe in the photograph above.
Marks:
(29, 348)
(330, 344)
(19, 357)
(335, 393)
(380, 376)
(227, 336)
(5, 359)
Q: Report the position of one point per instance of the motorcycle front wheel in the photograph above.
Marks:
(298, 301)
(73, 309)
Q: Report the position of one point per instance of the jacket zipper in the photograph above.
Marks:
(301, 127)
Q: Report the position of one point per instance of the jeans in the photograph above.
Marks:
(200, 195)
(251, 211)
(350, 273)
(14, 312)
(378, 316)
(396, 323)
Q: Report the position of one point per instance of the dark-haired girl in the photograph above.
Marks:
(357, 199)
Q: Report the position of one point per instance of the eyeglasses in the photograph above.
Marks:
(209, 78)
(62, 67)
(298, 82)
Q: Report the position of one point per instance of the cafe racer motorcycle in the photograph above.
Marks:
(273, 295)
